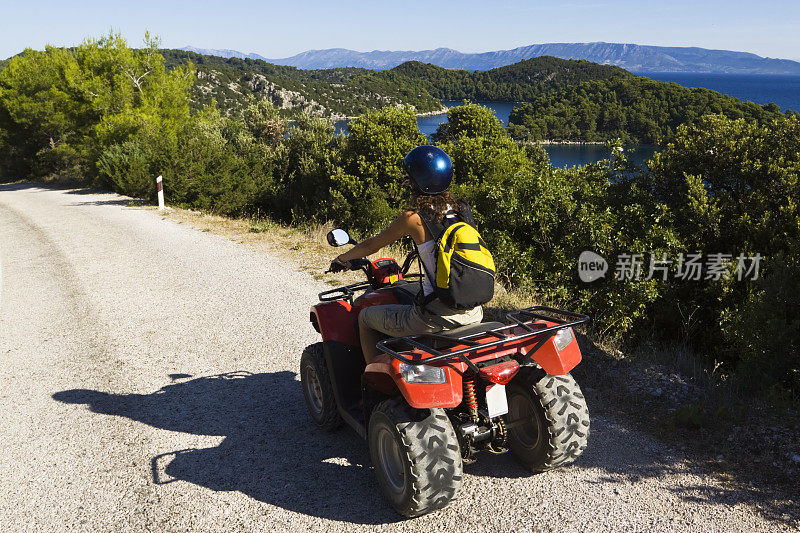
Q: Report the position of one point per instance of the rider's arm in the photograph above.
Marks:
(399, 228)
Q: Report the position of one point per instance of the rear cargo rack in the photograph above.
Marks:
(523, 318)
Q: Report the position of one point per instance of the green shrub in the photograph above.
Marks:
(128, 167)
(305, 162)
(764, 332)
(369, 188)
(732, 186)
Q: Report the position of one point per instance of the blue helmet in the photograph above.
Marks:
(429, 168)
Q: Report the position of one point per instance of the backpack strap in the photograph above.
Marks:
(462, 213)
(422, 271)
(435, 228)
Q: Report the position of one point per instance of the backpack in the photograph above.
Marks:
(465, 270)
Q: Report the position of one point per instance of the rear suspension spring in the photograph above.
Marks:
(470, 398)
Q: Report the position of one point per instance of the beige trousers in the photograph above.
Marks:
(396, 320)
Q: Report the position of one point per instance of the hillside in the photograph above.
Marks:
(570, 100)
(637, 110)
(232, 82)
(514, 83)
(340, 92)
(633, 57)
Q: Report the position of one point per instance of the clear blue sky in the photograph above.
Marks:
(279, 29)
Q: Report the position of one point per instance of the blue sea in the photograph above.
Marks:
(784, 90)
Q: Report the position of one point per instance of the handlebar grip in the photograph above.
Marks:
(355, 264)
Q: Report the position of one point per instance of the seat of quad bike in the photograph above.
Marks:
(471, 329)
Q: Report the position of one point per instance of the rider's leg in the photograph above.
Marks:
(378, 321)
(369, 338)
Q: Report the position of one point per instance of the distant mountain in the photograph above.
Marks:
(633, 57)
(222, 53)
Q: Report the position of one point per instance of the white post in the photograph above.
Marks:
(160, 193)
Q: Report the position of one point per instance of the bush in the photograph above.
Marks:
(369, 188)
(307, 159)
(764, 332)
(128, 167)
(537, 220)
(730, 186)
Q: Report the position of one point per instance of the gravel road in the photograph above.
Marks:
(148, 381)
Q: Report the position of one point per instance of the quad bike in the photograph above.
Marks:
(429, 402)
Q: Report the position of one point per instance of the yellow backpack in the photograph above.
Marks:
(465, 270)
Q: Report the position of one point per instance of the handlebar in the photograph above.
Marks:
(348, 291)
(355, 264)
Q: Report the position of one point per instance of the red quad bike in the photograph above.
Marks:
(429, 402)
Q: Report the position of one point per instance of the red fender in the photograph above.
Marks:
(383, 374)
(551, 360)
(338, 320)
(335, 321)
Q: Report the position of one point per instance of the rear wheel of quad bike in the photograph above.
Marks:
(416, 456)
(548, 422)
(317, 388)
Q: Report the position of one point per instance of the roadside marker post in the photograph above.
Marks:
(160, 193)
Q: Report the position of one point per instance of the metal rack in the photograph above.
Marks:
(502, 334)
(347, 292)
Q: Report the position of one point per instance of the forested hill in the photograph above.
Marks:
(234, 82)
(635, 109)
(514, 83)
(570, 100)
(351, 91)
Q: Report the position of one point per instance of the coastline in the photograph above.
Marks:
(442, 111)
(549, 142)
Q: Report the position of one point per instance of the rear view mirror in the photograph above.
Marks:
(339, 237)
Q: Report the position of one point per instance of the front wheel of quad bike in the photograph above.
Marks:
(548, 422)
(416, 456)
(317, 388)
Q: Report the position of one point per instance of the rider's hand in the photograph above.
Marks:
(337, 265)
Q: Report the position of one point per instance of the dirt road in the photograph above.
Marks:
(148, 381)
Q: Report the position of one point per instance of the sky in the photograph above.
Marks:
(279, 29)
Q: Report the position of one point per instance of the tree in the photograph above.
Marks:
(42, 112)
(469, 120)
(61, 109)
(371, 186)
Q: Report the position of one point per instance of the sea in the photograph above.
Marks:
(783, 90)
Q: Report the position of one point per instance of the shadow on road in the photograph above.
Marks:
(272, 451)
(75, 189)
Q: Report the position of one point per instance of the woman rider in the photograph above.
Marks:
(430, 171)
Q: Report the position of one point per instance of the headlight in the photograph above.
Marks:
(422, 374)
(563, 338)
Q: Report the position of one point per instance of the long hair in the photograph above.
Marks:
(434, 206)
